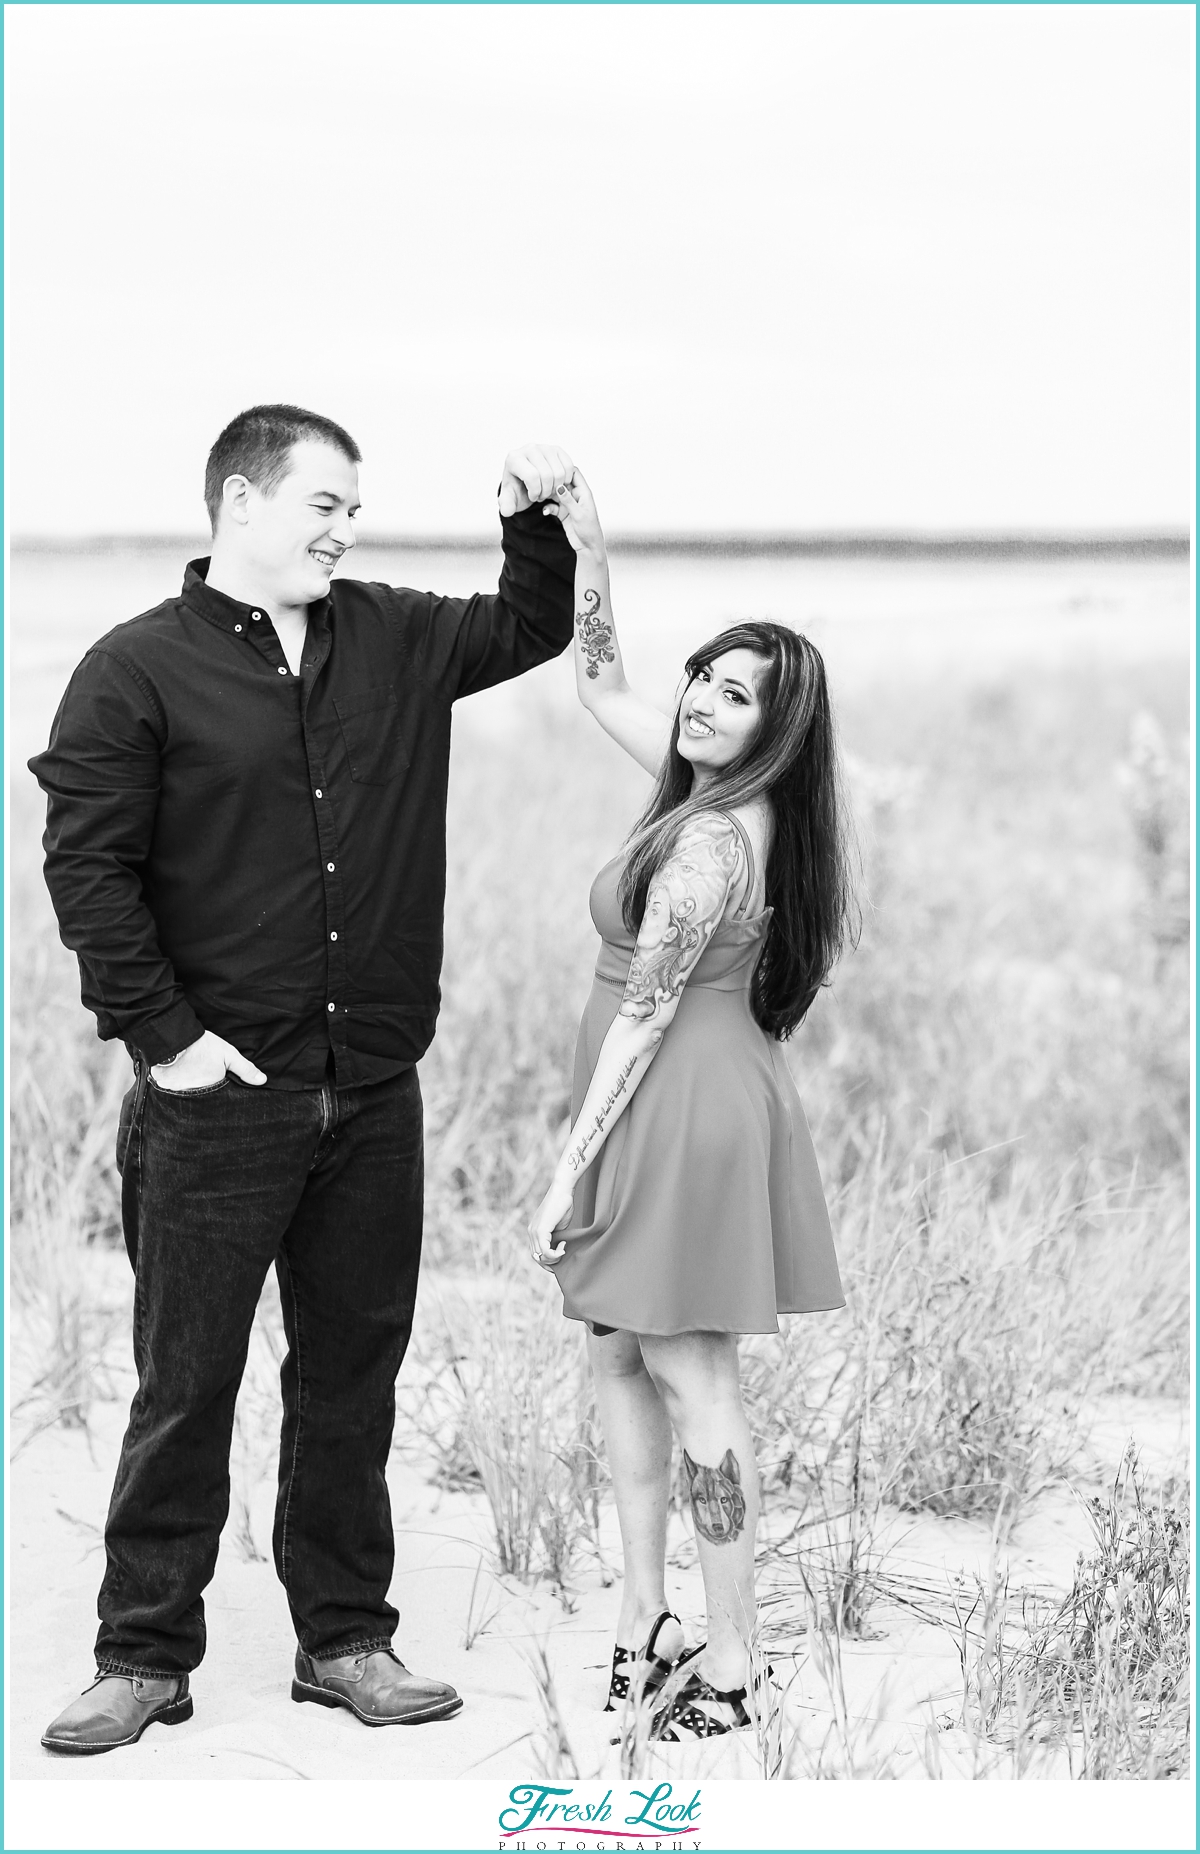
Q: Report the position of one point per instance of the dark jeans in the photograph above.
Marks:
(217, 1185)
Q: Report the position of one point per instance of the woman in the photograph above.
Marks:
(687, 1206)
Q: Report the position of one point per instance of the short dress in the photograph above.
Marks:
(704, 1211)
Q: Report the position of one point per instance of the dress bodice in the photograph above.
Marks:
(726, 964)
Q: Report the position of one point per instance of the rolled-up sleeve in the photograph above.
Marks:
(100, 774)
(479, 641)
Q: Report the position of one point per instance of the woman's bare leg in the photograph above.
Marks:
(637, 1436)
(697, 1376)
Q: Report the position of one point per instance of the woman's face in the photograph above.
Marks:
(720, 712)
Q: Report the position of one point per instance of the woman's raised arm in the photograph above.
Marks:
(633, 723)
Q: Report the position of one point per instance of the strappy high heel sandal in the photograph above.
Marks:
(697, 1709)
(626, 1660)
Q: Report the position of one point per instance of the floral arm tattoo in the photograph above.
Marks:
(683, 910)
(595, 634)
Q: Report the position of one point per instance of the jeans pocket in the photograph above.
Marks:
(130, 1116)
(124, 1125)
(188, 1094)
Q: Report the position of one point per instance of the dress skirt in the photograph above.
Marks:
(704, 1211)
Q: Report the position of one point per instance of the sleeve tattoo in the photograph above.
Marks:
(595, 634)
(683, 910)
(686, 902)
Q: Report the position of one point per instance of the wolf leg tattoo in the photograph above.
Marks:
(718, 1503)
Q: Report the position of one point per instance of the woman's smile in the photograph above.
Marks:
(720, 712)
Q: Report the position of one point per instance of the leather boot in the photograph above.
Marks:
(115, 1710)
(375, 1686)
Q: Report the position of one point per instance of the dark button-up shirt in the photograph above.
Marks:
(231, 847)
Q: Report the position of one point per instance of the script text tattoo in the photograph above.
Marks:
(577, 1157)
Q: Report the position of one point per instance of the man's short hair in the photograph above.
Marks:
(257, 445)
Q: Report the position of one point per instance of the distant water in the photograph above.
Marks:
(876, 620)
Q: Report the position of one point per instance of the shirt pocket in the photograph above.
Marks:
(370, 724)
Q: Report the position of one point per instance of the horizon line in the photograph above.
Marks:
(1163, 543)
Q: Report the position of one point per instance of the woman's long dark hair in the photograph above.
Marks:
(793, 762)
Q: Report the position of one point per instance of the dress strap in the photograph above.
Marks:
(744, 835)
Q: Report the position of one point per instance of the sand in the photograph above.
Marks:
(462, 1622)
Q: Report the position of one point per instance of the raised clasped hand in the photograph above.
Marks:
(575, 507)
(551, 1215)
(533, 473)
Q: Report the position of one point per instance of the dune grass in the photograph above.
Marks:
(998, 1087)
(1105, 1670)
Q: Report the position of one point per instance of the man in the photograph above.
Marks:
(246, 849)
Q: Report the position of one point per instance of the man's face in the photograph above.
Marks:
(296, 534)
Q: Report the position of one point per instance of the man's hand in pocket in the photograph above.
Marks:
(204, 1064)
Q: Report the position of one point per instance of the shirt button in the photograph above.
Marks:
(282, 671)
(320, 793)
(237, 627)
(333, 936)
(330, 1007)
(329, 866)
(254, 617)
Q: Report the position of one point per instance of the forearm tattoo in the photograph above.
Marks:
(683, 910)
(718, 1503)
(595, 634)
(577, 1157)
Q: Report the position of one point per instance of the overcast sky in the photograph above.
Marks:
(756, 267)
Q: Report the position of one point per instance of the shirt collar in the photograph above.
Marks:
(221, 610)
